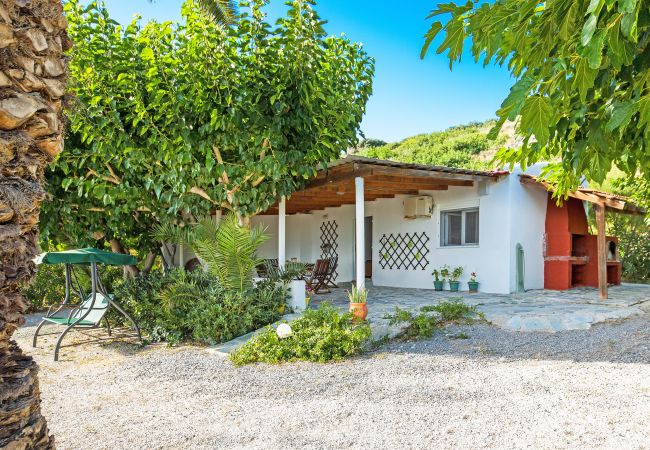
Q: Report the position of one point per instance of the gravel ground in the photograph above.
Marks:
(497, 389)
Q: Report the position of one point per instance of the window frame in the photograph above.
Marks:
(463, 226)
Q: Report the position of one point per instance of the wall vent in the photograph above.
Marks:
(416, 207)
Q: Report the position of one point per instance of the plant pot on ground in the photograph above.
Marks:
(358, 303)
(453, 279)
(437, 282)
(472, 283)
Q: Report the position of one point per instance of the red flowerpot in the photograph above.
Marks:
(359, 310)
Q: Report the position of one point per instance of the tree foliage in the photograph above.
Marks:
(173, 120)
(460, 146)
(582, 95)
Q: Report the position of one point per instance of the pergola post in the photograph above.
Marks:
(360, 233)
(282, 232)
(601, 241)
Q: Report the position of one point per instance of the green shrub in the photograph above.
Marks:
(424, 324)
(320, 335)
(193, 306)
(419, 326)
(48, 285)
(452, 311)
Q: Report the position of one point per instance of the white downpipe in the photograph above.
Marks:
(282, 233)
(360, 237)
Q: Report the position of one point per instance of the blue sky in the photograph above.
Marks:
(411, 96)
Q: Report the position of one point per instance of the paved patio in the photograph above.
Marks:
(535, 310)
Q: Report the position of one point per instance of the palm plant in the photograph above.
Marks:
(222, 11)
(228, 250)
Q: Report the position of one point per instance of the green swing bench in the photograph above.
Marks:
(92, 308)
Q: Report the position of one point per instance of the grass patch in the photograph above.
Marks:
(433, 317)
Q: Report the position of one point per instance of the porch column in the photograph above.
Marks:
(601, 241)
(282, 235)
(360, 237)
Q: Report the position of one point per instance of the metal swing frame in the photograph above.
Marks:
(96, 287)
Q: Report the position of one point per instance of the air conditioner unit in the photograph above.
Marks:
(415, 207)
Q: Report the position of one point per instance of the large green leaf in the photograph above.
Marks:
(537, 118)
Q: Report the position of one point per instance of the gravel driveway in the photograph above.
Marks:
(496, 389)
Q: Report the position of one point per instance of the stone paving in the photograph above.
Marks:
(535, 310)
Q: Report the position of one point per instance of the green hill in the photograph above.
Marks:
(465, 146)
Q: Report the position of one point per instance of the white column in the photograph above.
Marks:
(282, 234)
(360, 238)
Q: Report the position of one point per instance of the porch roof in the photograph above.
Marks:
(611, 202)
(334, 186)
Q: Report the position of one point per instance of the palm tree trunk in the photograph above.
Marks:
(32, 83)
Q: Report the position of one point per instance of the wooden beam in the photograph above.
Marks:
(377, 169)
(431, 179)
(601, 239)
(337, 174)
(612, 204)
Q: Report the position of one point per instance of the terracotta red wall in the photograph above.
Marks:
(561, 260)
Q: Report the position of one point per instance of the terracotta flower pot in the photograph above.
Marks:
(359, 310)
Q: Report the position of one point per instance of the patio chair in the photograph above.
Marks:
(334, 264)
(317, 280)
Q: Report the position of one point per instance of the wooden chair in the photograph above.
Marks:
(317, 280)
(334, 263)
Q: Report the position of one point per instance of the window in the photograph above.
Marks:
(459, 227)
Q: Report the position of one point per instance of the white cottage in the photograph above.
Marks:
(394, 223)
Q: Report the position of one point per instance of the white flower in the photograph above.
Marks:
(284, 331)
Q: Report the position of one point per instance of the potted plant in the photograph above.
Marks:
(444, 274)
(437, 282)
(453, 279)
(358, 306)
(472, 283)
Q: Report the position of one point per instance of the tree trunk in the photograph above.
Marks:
(32, 83)
(117, 247)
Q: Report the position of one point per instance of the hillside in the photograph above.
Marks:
(465, 146)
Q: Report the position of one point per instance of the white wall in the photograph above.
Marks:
(489, 258)
(509, 213)
(527, 227)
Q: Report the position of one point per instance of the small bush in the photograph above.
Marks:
(48, 285)
(420, 325)
(452, 311)
(193, 306)
(425, 324)
(320, 335)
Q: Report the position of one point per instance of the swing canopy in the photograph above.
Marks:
(86, 256)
